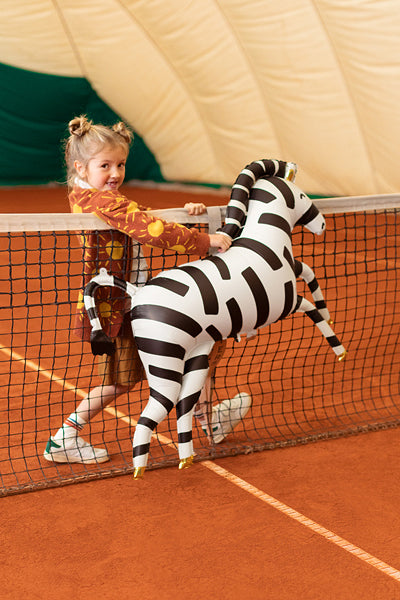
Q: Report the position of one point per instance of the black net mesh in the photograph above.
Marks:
(299, 390)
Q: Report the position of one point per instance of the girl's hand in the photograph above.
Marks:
(220, 241)
(195, 208)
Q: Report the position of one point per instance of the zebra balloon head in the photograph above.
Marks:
(271, 184)
(310, 218)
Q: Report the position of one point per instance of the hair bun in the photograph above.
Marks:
(123, 131)
(79, 126)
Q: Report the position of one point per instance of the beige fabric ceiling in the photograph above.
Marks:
(214, 84)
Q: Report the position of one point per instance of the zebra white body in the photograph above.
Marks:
(179, 314)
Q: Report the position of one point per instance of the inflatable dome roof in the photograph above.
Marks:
(211, 85)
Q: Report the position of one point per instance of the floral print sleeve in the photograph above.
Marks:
(126, 216)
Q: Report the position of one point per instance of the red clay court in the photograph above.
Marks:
(301, 520)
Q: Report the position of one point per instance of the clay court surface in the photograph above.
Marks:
(316, 521)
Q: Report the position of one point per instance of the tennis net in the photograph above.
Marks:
(299, 391)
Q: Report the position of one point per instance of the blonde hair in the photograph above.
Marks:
(86, 140)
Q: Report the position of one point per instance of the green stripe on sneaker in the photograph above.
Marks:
(51, 444)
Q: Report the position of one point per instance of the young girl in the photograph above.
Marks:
(96, 156)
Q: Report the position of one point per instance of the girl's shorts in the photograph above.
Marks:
(124, 367)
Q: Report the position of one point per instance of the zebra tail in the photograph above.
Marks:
(101, 343)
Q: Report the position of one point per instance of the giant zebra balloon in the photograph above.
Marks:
(179, 314)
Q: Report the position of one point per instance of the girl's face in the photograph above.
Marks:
(105, 170)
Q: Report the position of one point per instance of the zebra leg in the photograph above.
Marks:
(307, 274)
(155, 411)
(305, 306)
(195, 375)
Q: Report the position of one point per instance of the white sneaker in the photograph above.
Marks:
(74, 450)
(228, 414)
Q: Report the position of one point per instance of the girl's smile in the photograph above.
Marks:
(105, 170)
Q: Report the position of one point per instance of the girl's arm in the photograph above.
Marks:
(222, 241)
(124, 215)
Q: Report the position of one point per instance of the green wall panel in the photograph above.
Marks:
(34, 111)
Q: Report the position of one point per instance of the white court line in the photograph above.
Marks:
(303, 520)
(228, 476)
(68, 386)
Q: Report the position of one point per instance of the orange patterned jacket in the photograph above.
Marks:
(115, 251)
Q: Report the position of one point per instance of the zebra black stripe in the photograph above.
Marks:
(160, 348)
(214, 333)
(163, 314)
(168, 374)
(91, 288)
(170, 284)
(258, 168)
(259, 295)
(308, 216)
(285, 190)
(333, 341)
(185, 437)
(121, 283)
(92, 313)
(141, 450)
(232, 230)
(275, 221)
(320, 304)
(207, 292)
(163, 400)
(185, 405)
(289, 298)
(266, 168)
(315, 316)
(236, 214)
(240, 195)
(245, 180)
(197, 363)
(270, 168)
(262, 195)
(266, 253)
(236, 317)
(288, 256)
(298, 267)
(146, 422)
(221, 266)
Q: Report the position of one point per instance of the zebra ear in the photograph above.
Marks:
(101, 343)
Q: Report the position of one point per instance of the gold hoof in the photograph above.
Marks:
(342, 356)
(185, 463)
(139, 472)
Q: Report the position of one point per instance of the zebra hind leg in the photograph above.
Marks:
(184, 416)
(195, 375)
(305, 306)
(155, 411)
